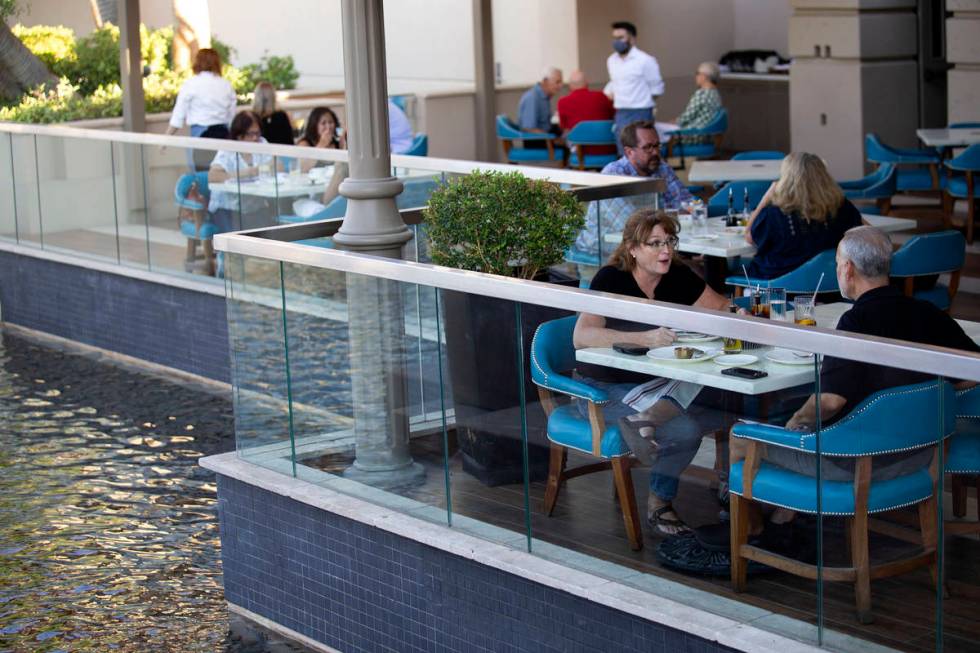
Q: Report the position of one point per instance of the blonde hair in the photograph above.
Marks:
(264, 102)
(637, 229)
(806, 188)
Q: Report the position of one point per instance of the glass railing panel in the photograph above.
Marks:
(960, 524)
(259, 356)
(486, 386)
(77, 173)
(27, 201)
(8, 203)
(365, 389)
(181, 215)
(132, 204)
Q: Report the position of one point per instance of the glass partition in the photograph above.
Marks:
(8, 202)
(26, 189)
(491, 397)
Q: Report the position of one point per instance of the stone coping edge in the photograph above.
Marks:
(654, 608)
(275, 627)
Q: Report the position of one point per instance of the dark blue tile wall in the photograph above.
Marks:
(163, 324)
(357, 588)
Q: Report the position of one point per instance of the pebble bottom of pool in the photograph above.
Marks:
(108, 527)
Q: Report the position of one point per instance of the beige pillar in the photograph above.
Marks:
(372, 225)
(484, 77)
(131, 67)
(963, 52)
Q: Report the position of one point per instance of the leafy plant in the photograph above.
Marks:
(501, 223)
(98, 59)
(55, 46)
(279, 71)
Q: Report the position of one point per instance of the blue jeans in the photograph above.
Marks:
(677, 441)
(625, 117)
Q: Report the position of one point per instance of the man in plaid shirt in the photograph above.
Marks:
(641, 147)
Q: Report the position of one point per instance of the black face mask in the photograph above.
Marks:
(621, 46)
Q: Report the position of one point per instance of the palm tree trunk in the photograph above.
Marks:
(20, 70)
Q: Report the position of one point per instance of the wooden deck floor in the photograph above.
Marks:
(587, 520)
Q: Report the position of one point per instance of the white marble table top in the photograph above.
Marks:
(290, 187)
(710, 171)
(708, 373)
(726, 245)
(949, 137)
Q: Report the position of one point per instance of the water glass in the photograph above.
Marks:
(700, 215)
(803, 306)
(777, 304)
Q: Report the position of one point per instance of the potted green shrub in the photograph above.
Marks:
(507, 224)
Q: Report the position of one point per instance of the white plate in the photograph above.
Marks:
(736, 360)
(789, 357)
(705, 237)
(736, 231)
(693, 336)
(666, 354)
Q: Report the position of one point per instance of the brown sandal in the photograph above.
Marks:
(666, 525)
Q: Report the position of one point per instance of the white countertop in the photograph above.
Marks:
(711, 171)
(708, 373)
(727, 245)
(756, 77)
(948, 137)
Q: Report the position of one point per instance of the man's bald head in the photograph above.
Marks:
(577, 80)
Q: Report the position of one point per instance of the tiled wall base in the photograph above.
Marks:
(164, 324)
(354, 587)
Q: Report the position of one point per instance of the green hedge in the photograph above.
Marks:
(89, 72)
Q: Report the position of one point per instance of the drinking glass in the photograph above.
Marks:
(760, 302)
(700, 215)
(265, 171)
(803, 306)
(777, 304)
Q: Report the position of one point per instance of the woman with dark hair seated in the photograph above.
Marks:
(323, 129)
(803, 213)
(651, 413)
(226, 165)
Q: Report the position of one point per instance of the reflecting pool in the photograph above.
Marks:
(108, 528)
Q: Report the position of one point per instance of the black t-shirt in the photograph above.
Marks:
(276, 128)
(888, 313)
(681, 285)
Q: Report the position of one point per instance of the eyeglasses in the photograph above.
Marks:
(671, 243)
(253, 133)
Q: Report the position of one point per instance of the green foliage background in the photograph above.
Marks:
(501, 223)
(88, 68)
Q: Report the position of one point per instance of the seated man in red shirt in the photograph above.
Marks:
(583, 104)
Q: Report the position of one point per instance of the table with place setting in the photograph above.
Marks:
(949, 137)
(282, 184)
(784, 368)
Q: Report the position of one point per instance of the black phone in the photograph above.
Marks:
(630, 348)
(744, 372)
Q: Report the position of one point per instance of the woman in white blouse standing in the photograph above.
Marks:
(206, 102)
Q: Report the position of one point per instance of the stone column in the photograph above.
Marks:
(131, 67)
(484, 77)
(962, 51)
(372, 225)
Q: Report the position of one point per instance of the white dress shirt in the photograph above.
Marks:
(399, 128)
(204, 99)
(634, 79)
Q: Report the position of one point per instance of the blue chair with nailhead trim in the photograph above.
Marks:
(963, 459)
(879, 186)
(900, 419)
(962, 185)
(508, 132)
(929, 255)
(552, 357)
(591, 132)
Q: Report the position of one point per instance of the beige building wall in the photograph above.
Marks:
(762, 25)
(963, 51)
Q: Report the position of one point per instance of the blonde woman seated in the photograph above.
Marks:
(802, 214)
(652, 412)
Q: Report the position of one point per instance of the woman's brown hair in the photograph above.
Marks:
(241, 123)
(207, 60)
(636, 231)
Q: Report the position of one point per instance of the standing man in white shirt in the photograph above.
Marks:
(634, 79)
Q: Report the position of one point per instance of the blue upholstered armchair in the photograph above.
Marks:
(714, 129)
(963, 459)
(195, 223)
(801, 280)
(591, 132)
(508, 132)
(931, 254)
(918, 168)
(879, 186)
(552, 357)
(893, 420)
